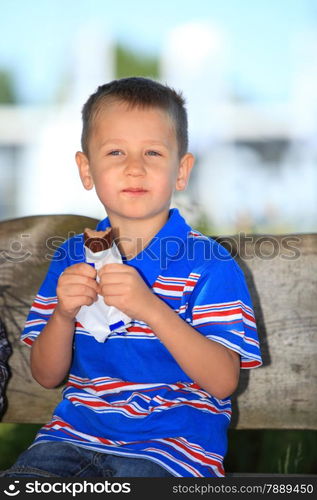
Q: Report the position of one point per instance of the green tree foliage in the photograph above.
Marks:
(14, 439)
(7, 94)
(131, 63)
(272, 451)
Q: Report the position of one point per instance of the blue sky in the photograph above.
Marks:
(36, 36)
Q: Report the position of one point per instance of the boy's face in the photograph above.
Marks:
(133, 162)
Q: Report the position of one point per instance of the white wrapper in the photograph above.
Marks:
(99, 319)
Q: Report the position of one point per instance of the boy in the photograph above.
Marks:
(153, 400)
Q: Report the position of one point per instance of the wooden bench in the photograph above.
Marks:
(281, 272)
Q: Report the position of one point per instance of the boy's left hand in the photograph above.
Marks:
(122, 287)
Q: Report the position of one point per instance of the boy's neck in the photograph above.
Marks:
(132, 236)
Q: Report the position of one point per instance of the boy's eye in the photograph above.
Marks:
(153, 153)
(115, 152)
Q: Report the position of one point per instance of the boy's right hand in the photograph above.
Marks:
(76, 287)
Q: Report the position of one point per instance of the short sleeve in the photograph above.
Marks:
(46, 299)
(220, 308)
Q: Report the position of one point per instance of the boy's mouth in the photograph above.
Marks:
(134, 190)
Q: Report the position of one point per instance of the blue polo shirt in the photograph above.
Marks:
(128, 395)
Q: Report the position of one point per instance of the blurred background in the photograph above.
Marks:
(248, 71)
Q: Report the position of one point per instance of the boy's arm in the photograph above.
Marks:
(51, 352)
(211, 365)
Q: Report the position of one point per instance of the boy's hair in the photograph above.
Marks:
(138, 92)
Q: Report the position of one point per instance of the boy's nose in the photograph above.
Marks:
(135, 167)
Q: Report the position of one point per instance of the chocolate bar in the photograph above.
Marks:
(97, 241)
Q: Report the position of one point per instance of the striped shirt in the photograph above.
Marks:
(128, 395)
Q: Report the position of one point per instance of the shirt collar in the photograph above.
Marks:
(167, 245)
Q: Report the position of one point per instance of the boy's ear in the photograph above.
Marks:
(84, 170)
(185, 166)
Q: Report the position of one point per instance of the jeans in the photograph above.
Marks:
(59, 459)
